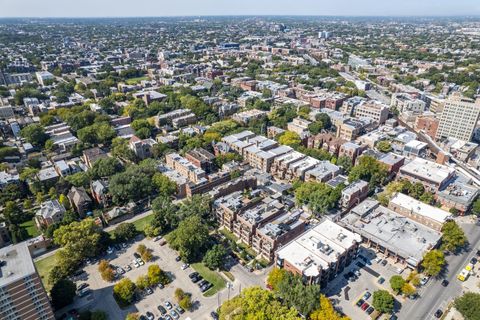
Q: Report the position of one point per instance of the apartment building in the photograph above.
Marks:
(249, 115)
(320, 253)
(22, 295)
(372, 109)
(175, 117)
(418, 211)
(142, 147)
(433, 176)
(404, 102)
(299, 126)
(353, 194)
(459, 118)
(185, 168)
(201, 158)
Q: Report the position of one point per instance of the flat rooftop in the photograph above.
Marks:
(318, 247)
(420, 208)
(401, 235)
(16, 263)
(427, 170)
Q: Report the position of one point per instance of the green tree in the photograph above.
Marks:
(79, 179)
(326, 311)
(408, 289)
(384, 146)
(369, 169)
(294, 293)
(276, 276)
(105, 167)
(468, 305)
(290, 138)
(345, 162)
(215, 257)
(62, 293)
(125, 231)
(190, 238)
(120, 149)
(383, 301)
(163, 184)
(476, 207)
(142, 282)
(396, 283)
(165, 215)
(256, 303)
(433, 262)
(99, 315)
(132, 185)
(319, 196)
(124, 291)
(132, 316)
(453, 236)
(35, 134)
(156, 275)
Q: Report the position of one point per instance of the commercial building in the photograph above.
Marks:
(320, 253)
(392, 234)
(459, 118)
(22, 295)
(432, 175)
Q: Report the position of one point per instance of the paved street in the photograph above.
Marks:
(434, 296)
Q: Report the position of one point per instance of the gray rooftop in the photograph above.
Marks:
(17, 263)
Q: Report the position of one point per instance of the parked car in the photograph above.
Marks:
(84, 292)
(136, 255)
(161, 286)
(128, 268)
(185, 266)
(357, 273)
(168, 305)
(109, 250)
(370, 310)
(381, 280)
(424, 281)
(162, 310)
(365, 306)
(140, 262)
(445, 282)
(378, 260)
(120, 270)
(360, 302)
(150, 315)
(214, 315)
(366, 295)
(438, 313)
(473, 261)
(149, 290)
(193, 275)
(174, 314)
(179, 310)
(136, 264)
(82, 286)
(178, 258)
(384, 262)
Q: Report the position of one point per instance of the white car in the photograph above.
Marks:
(424, 281)
(136, 264)
(140, 261)
(185, 266)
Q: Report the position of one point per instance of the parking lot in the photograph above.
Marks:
(101, 296)
(360, 277)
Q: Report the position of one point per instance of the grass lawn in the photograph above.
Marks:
(211, 276)
(44, 266)
(31, 228)
(140, 224)
(135, 80)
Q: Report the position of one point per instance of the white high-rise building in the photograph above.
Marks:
(459, 118)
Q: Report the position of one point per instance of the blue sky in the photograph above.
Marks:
(120, 8)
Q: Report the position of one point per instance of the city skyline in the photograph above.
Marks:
(146, 8)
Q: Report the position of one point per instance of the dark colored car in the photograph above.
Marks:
(360, 302)
(381, 280)
(370, 310)
(214, 315)
(445, 282)
(438, 313)
(393, 317)
(178, 258)
(136, 255)
(473, 261)
(193, 275)
(162, 310)
(384, 263)
(82, 286)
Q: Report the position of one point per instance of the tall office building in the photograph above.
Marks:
(459, 118)
(22, 295)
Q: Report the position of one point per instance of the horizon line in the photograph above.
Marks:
(249, 15)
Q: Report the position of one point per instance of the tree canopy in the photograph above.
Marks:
(190, 238)
(433, 262)
(453, 236)
(469, 305)
(383, 301)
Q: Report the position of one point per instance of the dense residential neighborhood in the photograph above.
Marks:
(239, 168)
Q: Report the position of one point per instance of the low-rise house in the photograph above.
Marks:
(99, 191)
(142, 147)
(90, 156)
(80, 200)
(50, 212)
(354, 193)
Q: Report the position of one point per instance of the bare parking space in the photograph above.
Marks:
(358, 282)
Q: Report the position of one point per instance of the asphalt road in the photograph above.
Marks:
(434, 296)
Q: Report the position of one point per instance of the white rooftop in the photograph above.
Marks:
(428, 170)
(420, 208)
